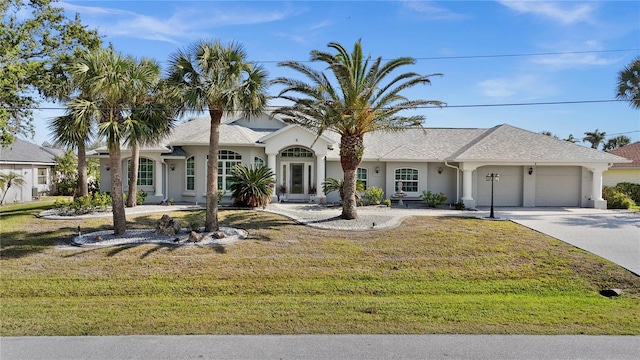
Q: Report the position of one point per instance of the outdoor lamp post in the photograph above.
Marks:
(492, 177)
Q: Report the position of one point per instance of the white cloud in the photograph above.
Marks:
(563, 12)
(522, 86)
(431, 11)
(183, 23)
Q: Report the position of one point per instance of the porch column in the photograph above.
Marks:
(158, 176)
(271, 164)
(320, 161)
(596, 189)
(467, 186)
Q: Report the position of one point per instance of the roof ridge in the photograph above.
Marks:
(475, 141)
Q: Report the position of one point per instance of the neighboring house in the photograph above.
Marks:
(624, 172)
(35, 164)
(534, 169)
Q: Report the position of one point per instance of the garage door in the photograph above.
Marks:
(506, 192)
(558, 185)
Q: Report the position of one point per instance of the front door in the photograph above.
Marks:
(297, 178)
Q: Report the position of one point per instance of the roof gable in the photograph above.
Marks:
(631, 152)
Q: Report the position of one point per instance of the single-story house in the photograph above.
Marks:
(534, 169)
(35, 164)
(624, 172)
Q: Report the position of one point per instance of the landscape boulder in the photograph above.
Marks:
(168, 226)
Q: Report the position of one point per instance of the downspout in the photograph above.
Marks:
(165, 172)
(457, 179)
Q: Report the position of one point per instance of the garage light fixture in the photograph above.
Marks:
(530, 170)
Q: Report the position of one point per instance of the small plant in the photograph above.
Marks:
(221, 194)
(374, 195)
(170, 201)
(250, 185)
(433, 199)
(331, 184)
(387, 202)
(194, 221)
(141, 196)
(459, 205)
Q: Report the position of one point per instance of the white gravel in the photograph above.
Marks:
(106, 238)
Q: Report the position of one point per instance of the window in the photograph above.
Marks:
(409, 178)
(226, 161)
(258, 162)
(42, 176)
(361, 175)
(145, 171)
(296, 152)
(191, 174)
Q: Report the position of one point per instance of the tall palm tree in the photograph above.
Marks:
(616, 142)
(217, 78)
(361, 99)
(113, 82)
(629, 83)
(571, 139)
(151, 120)
(595, 138)
(74, 131)
(8, 180)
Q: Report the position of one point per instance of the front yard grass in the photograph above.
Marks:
(429, 275)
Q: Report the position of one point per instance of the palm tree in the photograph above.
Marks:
(616, 142)
(73, 131)
(150, 121)
(571, 139)
(217, 78)
(629, 83)
(362, 102)
(595, 138)
(331, 185)
(112, 82)
(252, 186)
(7, 180)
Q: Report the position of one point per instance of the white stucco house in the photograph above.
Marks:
(535, 169)
(624, 172)
(34, 163)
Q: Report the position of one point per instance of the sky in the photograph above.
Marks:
(538, 65)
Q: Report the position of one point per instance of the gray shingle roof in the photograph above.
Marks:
(196, 132)
(21, 151)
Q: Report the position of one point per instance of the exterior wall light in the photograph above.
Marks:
(530, 170)
(377, 169)
(172, 167)
(440, 170)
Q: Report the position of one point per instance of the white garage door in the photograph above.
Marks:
(558, 185)
(506, 192)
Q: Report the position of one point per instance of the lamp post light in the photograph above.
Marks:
(492, 177)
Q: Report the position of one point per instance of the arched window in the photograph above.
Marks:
(409, 178)
(362, 176)
(296, 152)
(145, 171)
(191, 174)
(258, 162)
(227, 159)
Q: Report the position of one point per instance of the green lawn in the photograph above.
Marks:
(429, 275)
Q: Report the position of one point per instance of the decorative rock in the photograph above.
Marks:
(168, 226)
(218, 235)
(98, 238)
(611, 292)
(195, 237)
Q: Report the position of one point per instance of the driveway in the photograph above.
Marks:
(613, 235)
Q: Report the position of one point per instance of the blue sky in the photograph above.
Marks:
(463, 40)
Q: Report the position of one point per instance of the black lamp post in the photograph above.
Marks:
(492, 177)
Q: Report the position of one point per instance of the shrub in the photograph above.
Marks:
(374, 195)
(616, 199)
(459, 205)
(141, 196)
(251, 186)
(433, 199)
(84, 204)
(630, 189)
(387, 202)
(194, 220)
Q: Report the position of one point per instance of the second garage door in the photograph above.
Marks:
(558, 186)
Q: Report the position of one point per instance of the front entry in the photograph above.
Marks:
(299, 179)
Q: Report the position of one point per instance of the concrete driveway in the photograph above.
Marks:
(613, 235)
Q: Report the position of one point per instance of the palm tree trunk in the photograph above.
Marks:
(351, 150)
(211, 220)
(82, 188)
(119, 217)
(133, 175)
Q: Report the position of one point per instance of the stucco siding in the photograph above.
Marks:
(614, 176)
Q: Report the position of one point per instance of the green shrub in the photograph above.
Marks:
(221, 193)
(251, 186)
(616, 199)
(84, 204)
(387, 202)
(141, 196)
(433, 199)
(630, 189)
(459, 205)
(194, 221)
(374, 195)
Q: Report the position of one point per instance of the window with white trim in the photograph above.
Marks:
(191, 174)
(362, 176)
(258, 162)
(296, 152)
(409, 178)
(42, 176)
(227, 160)
(145, 171)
